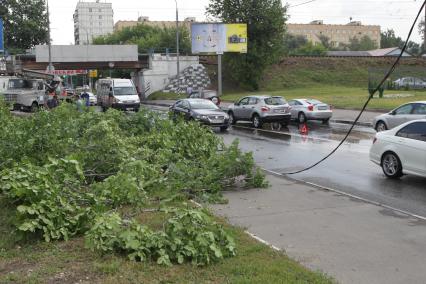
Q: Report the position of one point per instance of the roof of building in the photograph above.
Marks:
(348, 53)
(391, 51)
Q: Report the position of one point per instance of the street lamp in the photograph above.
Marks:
(110, 65)
(177, 40)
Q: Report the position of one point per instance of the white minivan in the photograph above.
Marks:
(117, 93)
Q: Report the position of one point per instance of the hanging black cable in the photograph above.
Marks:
(391, 70)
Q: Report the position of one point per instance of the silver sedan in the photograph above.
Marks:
(310, 109)
(400, 115)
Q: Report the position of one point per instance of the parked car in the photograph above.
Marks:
(92, 98)
(310, 109)
(206, 94)
(117, 93)
(260, 109)
(404, 113)
(410, 82)
(201, 110)
(401, 150)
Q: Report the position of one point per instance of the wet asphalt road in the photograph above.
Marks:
(349, 170)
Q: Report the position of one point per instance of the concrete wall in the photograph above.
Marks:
(162, 69)
(87, 53)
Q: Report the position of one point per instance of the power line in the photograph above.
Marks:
(391, 70)
(304, 3)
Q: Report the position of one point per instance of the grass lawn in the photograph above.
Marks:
(339, 97)
(71, 262)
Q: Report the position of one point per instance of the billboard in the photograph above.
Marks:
(217, 38)
(1, 36)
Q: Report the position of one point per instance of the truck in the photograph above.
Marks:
(28, 90)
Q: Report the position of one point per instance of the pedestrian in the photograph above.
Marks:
(79, 103)
(86, 97)
(53, 102)
(189, 90)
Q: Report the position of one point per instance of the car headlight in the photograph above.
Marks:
(202, 117)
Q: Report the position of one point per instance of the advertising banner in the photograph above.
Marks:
(217, 38)
(1, 36)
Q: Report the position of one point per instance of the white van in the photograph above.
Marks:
(117, 93)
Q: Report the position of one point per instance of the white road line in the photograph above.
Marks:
(348, 195)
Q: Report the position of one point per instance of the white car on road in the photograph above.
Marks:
(310, 109)
(401, 150)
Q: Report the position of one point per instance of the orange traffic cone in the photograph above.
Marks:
(304, 129)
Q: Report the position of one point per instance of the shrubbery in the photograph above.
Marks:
(70, 173)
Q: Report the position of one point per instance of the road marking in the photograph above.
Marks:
(347, 194)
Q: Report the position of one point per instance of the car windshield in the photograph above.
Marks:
(202, 104)
(275, 101)
(22, 84)
(124, 91)
(313, 101)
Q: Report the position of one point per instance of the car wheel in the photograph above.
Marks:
(136, 109)
(276, 126)
(223, 128)
(391, 165)
(301, 117)
(34, 107)
(326, 121)
(381, 126)
(257, 123)
(232, 119)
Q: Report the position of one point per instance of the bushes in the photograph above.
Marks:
(188, 235)
(66, 171)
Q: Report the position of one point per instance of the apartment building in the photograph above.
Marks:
(92, 19)
(337, 34)
(145, 20)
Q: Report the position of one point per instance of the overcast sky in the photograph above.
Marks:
(395, 14)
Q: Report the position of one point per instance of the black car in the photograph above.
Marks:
(204, 111)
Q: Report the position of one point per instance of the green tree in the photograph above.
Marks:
(292, 42)
(310, 49)
(25, 24)
(266, 29)
(325, 41)
(389, 39)
(149, 38)
(365, 43)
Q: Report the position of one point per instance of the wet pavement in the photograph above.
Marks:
(349, 170)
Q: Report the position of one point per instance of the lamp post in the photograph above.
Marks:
(50, 67)
(177, 40)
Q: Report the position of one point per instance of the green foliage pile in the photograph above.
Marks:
(188, 235)
(69, 173)
(148, 38)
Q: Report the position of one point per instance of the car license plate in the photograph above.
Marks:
(280, 110)
(322, 108)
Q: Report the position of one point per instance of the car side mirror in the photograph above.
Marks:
(392, 112)
(237, 104)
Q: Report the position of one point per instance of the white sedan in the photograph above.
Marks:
(401, 150)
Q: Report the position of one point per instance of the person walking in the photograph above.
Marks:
(86, 97)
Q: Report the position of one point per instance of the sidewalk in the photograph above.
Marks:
(339, 115)
(350, 240)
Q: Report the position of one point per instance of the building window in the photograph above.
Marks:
(100, 17)
(100, 10)
(90, 9)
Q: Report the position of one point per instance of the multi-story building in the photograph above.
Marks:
(92, 19)
(338, 35)
(145, 20)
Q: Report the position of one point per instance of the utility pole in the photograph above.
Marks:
(177, 41)
(50, 67)
(424, 33)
